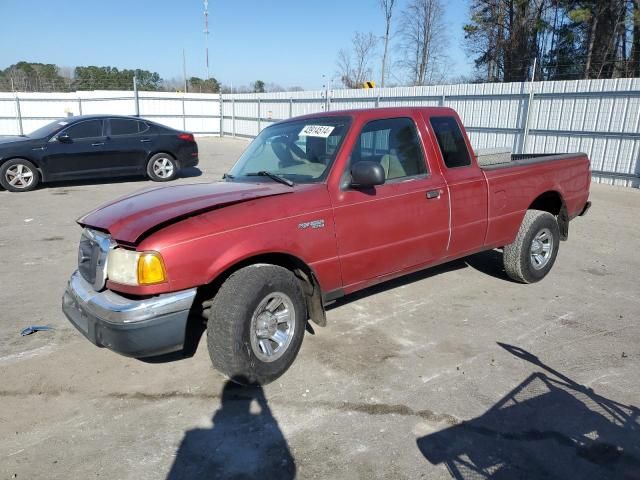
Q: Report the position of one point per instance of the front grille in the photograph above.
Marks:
(88, 258)
(92, 257)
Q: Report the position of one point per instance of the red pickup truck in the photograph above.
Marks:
(317, 207)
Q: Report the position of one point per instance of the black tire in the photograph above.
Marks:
(169, 169)
(529, 263)
(229, 329)
(29, 175)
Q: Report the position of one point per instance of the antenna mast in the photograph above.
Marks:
(206, 35)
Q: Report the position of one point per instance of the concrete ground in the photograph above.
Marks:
(452, 372)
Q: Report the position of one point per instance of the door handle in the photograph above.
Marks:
(432, 194)
(145, 140)
(97, 144)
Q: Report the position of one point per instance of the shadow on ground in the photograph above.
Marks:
(547, 427)
(191, 172)
(489, 262)
(244, 442)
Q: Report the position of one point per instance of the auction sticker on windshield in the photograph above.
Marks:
(322, 131)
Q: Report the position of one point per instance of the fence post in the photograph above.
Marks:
(377, 101)
(19, 115)
(79, 106)
(525, 133)
(290, 107)
(443, 100)
(221, 115)
(258, 115)
(136, 100)
(233, 117)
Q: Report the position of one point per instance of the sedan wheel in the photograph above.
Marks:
(19, 175)
(162, 168)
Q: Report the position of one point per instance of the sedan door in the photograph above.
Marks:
(76, 152)
(401, 224)
(127, 146)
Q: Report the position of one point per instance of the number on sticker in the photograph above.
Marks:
(317, 131)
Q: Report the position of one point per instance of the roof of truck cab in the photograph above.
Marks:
(385, 112)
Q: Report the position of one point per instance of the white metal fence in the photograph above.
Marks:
(598, 117)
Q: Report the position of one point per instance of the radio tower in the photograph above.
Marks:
(206, 35)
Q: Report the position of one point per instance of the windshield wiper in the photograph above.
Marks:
(272, 176)
(227, 175)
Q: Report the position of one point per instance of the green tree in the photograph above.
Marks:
(210, 85)
(258, 86)
(506, 36)
(32, 77)
(110, 78)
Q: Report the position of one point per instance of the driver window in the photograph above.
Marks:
(394, 144)
(88, 129)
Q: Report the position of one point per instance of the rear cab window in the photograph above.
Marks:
(394, 144)
(453, 147)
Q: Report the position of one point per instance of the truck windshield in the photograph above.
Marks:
(301, 150)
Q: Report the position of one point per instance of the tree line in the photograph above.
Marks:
(508, 40)
(41, 77)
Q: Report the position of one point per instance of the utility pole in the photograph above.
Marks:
(206, 35)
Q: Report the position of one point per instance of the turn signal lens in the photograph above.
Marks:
(151, 269)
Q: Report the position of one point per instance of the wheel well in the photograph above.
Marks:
(160, 151)
(553, 203)
(4, 160)
(308, 281)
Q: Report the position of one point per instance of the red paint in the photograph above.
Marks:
(367, 237)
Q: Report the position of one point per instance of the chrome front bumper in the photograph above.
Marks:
(135, 328)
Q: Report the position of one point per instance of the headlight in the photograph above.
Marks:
(135, 268)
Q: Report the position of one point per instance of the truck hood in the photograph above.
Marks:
(129, 218)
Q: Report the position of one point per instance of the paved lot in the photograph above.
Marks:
(452, 372)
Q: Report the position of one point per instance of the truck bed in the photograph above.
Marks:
(497, 158)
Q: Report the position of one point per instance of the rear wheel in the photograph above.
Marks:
(162, 167)
(19, 175)
(532, 254)
(256, 324)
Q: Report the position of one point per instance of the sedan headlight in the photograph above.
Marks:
(129, 267)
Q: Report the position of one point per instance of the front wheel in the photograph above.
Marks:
(162, 167)
(256, 324)
(532, 254)
(19, 175)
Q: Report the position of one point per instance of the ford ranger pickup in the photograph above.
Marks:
(316, 208)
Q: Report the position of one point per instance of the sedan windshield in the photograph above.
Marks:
(301, 150)
(48, 129)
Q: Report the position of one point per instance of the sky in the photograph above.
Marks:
(287, 42)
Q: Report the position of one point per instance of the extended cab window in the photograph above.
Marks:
(88, 129)
(394, 144)
(451, 142)
(301, 151)
(121, 126)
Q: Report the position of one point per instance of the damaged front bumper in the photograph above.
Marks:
(135, 328)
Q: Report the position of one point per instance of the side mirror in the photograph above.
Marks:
(367, 174)
(64, 138)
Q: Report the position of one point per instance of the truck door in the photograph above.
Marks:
(397, 225)
(466, 182)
